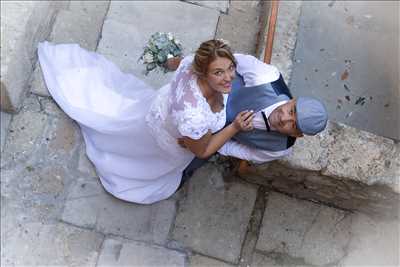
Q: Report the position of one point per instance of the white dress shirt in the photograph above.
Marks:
(255, 72)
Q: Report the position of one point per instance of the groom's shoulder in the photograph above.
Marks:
(250, 60)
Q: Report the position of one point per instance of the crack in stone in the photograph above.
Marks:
(254, 227)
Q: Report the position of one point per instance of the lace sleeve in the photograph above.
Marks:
(187, 103)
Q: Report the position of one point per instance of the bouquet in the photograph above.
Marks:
(160, 47)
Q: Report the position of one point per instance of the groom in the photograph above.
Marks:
(279, 119)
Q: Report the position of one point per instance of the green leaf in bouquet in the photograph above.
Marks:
(161, 57)
(177, 52)
(153, 48)
(151, 66)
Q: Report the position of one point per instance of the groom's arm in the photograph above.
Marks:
(237, 150)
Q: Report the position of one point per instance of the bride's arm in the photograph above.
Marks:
(210, 143)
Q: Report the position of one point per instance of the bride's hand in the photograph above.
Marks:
(244, 121)
(181, 142)
(172, 64)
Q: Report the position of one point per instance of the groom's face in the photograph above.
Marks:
(220, 74)
(283, 119)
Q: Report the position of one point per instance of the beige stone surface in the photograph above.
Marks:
(309, 153)
(302, 229)
(130, 253)
(374, 242)
(23, 24)
(80, 23)
(129, 25)
(364, 157)
(25, 133)
(201, 261)
(240, 26)
(212, 219)
(37, 244)
(89, 206)
(285, 37)
(220, 5)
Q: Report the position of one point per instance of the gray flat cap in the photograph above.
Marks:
(311, 115)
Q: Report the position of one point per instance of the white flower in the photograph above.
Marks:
(223, 41)
(170, 37)
(170, 56)
(148, 58)
(177, 41)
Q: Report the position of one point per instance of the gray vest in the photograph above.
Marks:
(257, 98)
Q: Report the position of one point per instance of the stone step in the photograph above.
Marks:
(81, 23)
(343, 166)
(23, 25)
(129, 25)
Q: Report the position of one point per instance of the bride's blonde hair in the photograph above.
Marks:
(208, 52)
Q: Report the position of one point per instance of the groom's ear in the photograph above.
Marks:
(297, 134)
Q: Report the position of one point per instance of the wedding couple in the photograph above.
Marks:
(141, 140)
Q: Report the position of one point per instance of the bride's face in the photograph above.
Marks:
(220, 74)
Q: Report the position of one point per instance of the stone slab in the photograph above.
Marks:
(364, 157)
(89, 206)
(201, 261)
(339, 73)
(81, 23)
(374, 242)
(36, 244)
(5, 119)
(33, 193)
(277, 260)
(214, 216)
(240, 26)
(130, 253)
(285, 37)
(61, 141)
(23, 24)
(129, 25)
(302, 229)
(220, 5)
(25, 133)
(309, 153)
(85, 166)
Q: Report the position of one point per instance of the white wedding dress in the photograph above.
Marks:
(130, 129)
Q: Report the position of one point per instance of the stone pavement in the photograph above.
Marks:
(55, 212)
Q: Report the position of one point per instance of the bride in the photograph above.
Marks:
(130, 129)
